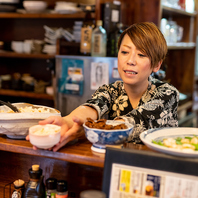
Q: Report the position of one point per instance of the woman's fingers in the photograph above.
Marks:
(27, 137)
(73, 133)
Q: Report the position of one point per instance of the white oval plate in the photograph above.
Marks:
(158, 134)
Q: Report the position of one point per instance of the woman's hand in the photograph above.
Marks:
(70, 129)
(72, 133)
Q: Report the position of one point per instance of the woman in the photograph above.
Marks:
(138, 98)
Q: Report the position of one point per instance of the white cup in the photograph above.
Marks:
(27, 47)
(17, 46)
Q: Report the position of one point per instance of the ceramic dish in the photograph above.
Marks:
(159, 134)
(16, 125)
(44, 136)
(35, 6)
(100, 137)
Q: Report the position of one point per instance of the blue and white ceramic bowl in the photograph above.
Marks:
(101, 137)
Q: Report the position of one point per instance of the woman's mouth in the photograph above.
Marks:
(130, 72)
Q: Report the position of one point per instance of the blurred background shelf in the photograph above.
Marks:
(10, 54)
(79, 15)
(174, 11)
(9, 92)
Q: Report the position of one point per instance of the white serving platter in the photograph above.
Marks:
(159, 134)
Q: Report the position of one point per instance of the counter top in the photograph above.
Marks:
(80, 152)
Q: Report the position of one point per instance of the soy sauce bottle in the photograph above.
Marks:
(35, 187)
(86, 33)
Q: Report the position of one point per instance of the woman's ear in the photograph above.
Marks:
(156, 68)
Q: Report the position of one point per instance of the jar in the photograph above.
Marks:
(51, 184)
(171, 32)
(62, 190)
(190, 6)
(19, 186)
(92, 193)
(6, 81)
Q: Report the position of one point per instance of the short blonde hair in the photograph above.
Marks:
(148, 39)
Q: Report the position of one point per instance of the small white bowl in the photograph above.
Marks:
(34, 6)
(44, 136)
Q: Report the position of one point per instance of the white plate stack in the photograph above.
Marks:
(51, 36)
(77, 30)
(66, 7)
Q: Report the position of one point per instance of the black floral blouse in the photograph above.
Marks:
(156, 109)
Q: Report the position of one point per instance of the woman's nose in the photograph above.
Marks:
(131, 59)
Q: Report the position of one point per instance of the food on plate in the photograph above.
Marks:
(45, 129)
(188, 143)
(101, 124)
(28, 109)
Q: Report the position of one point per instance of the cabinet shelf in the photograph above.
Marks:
(174, 11)
(8, 92)
(183, 45)
(43, 15)
(9, 54)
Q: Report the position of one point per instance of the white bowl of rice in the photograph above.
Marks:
(44, 136)
(16, 125)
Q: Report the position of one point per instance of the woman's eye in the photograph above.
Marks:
(141, 55)
(124, 52)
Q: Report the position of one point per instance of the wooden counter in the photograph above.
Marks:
(76, 163)
(79, 152)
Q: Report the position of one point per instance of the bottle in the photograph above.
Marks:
(117, 36)
(35, 187)
(62, 190)
(86, 32)
(114, 37)
(99, 40)
(51, 184)
(92, 194)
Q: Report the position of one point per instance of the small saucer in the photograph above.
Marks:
(98, 148)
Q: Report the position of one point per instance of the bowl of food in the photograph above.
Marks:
(44, 136)
(106, 132)
(16, 125)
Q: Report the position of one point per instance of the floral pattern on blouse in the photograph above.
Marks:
(156, 109)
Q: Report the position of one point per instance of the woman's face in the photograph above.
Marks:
(134, 67)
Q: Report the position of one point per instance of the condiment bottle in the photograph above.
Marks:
(51, 184)
(35, 187)
(19, 186)
(92, 194)
(86, 33)
(99, 40)
(62, 190)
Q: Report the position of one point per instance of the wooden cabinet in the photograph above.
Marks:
(26, 26)
(180, 59)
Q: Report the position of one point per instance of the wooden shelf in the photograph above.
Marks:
(174, 11)
(8, 92)
(43, 15)
(9, 54)
(183, 45)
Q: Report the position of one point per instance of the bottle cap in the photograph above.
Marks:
(99, 23)
(35, 167)
(18, 183)
(51, 183)
(92, 193)
(62, 186)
